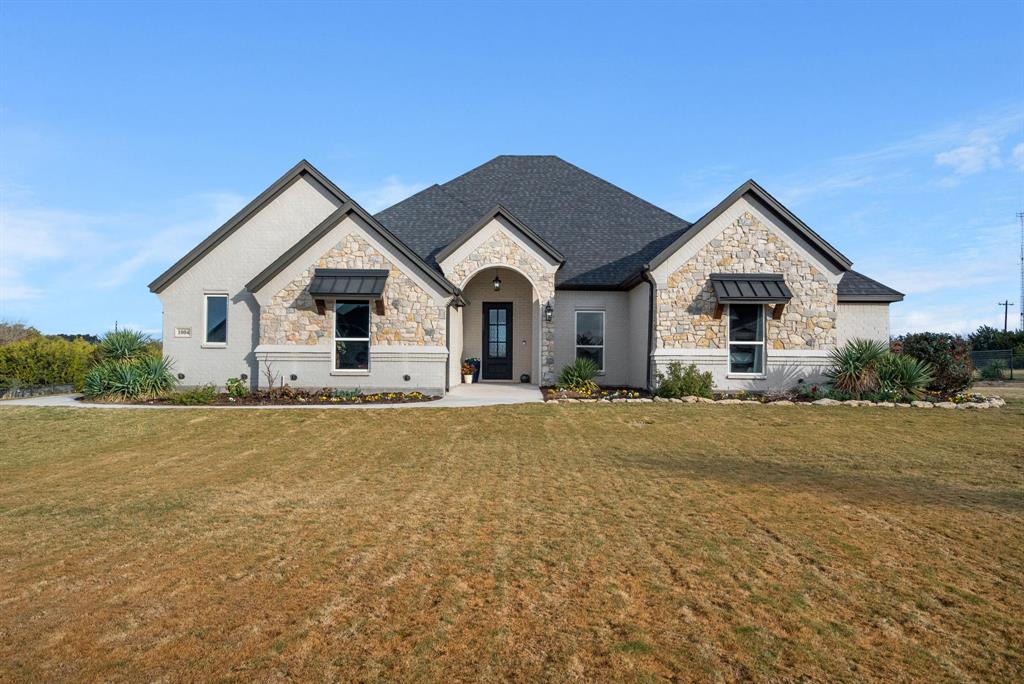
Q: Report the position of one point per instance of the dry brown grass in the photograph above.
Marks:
(636, 542)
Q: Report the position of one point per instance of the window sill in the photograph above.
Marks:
(214, 345)
(350, 372)
(746, 376)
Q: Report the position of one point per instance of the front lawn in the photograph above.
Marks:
(538, 542)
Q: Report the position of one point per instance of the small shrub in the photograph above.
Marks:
(853, 368)
(948, 356)
(993, 371)
(237, 388)
(197, 396)
(903, 376)
(684, 382)
(579, 376)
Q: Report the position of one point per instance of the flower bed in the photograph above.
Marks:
(286, 396)
(552, 393)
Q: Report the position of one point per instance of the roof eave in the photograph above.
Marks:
(750, 186)
(498, 210)
(244, 214)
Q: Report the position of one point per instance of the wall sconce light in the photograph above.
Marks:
(181, 376)
(496, 283)
(293, 377)
(549, 312)
(244, 376)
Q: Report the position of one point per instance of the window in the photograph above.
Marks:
(590, 336)
(351, 336)
(746, 339)
(216, 319)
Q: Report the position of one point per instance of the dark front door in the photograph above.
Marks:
(497, 358)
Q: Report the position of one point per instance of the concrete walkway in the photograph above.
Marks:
(478, 394)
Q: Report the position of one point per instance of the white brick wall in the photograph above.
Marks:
(864, 321)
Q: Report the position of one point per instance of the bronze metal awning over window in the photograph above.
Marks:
(750, 288)
(340, 283)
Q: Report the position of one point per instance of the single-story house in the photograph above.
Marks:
(526, 263)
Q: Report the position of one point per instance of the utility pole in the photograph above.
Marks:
(1006, 312)
(1020, 217)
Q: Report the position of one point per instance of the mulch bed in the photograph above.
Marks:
(292, 397)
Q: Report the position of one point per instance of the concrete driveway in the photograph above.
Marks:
(477, 394)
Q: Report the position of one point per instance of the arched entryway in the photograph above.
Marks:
(500, 322)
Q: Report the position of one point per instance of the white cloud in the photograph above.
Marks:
(981, 153)
(1017, 156)
(391, 191)
(94, 250)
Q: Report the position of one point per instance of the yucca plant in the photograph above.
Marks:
(579, 376)
(854, 364)
(125, 345)
(97, 380)
(124, 381)
(904, 375)
(155, 375)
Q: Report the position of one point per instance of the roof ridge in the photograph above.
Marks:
(623, 190)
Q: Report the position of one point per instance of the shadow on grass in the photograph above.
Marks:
(852, 487)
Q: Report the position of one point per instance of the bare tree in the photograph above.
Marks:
(271, 376)
(16, 331)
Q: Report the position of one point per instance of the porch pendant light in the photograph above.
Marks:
(496, 283)
(549, 313)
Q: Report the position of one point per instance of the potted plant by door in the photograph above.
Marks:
(475, 363)
(467, 373)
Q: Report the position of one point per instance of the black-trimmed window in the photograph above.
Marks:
(746, 339)
(216, 319)
(352, 335)
(590, 336)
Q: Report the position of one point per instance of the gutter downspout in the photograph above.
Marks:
(650, 327)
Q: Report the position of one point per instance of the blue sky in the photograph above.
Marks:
(128, 132)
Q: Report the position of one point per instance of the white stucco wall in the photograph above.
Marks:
(455, 322)
(864, 321)
(227, 268)
(639, 329)
(617, 332)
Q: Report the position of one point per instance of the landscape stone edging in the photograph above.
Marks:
(990, 402)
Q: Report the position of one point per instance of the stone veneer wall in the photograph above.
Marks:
(499, 250)
(686, 307)
(411, 316)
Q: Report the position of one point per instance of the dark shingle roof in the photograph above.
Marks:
(605, 233)
(857, 287)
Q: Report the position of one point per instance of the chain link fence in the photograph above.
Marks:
(995, 364)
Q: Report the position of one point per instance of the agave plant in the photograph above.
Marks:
(125, 345)
(904, 375)
(155, 376)
(578, 376)
(854, 364)
(97, 380)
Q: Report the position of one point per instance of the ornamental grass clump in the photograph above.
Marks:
(579, 376)
(854, 366)
(902, 376)
(130, 367)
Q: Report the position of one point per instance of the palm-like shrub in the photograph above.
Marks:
(904, 375)
(854, 364)
(124, 345)
(579, 376)
(128, 368)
